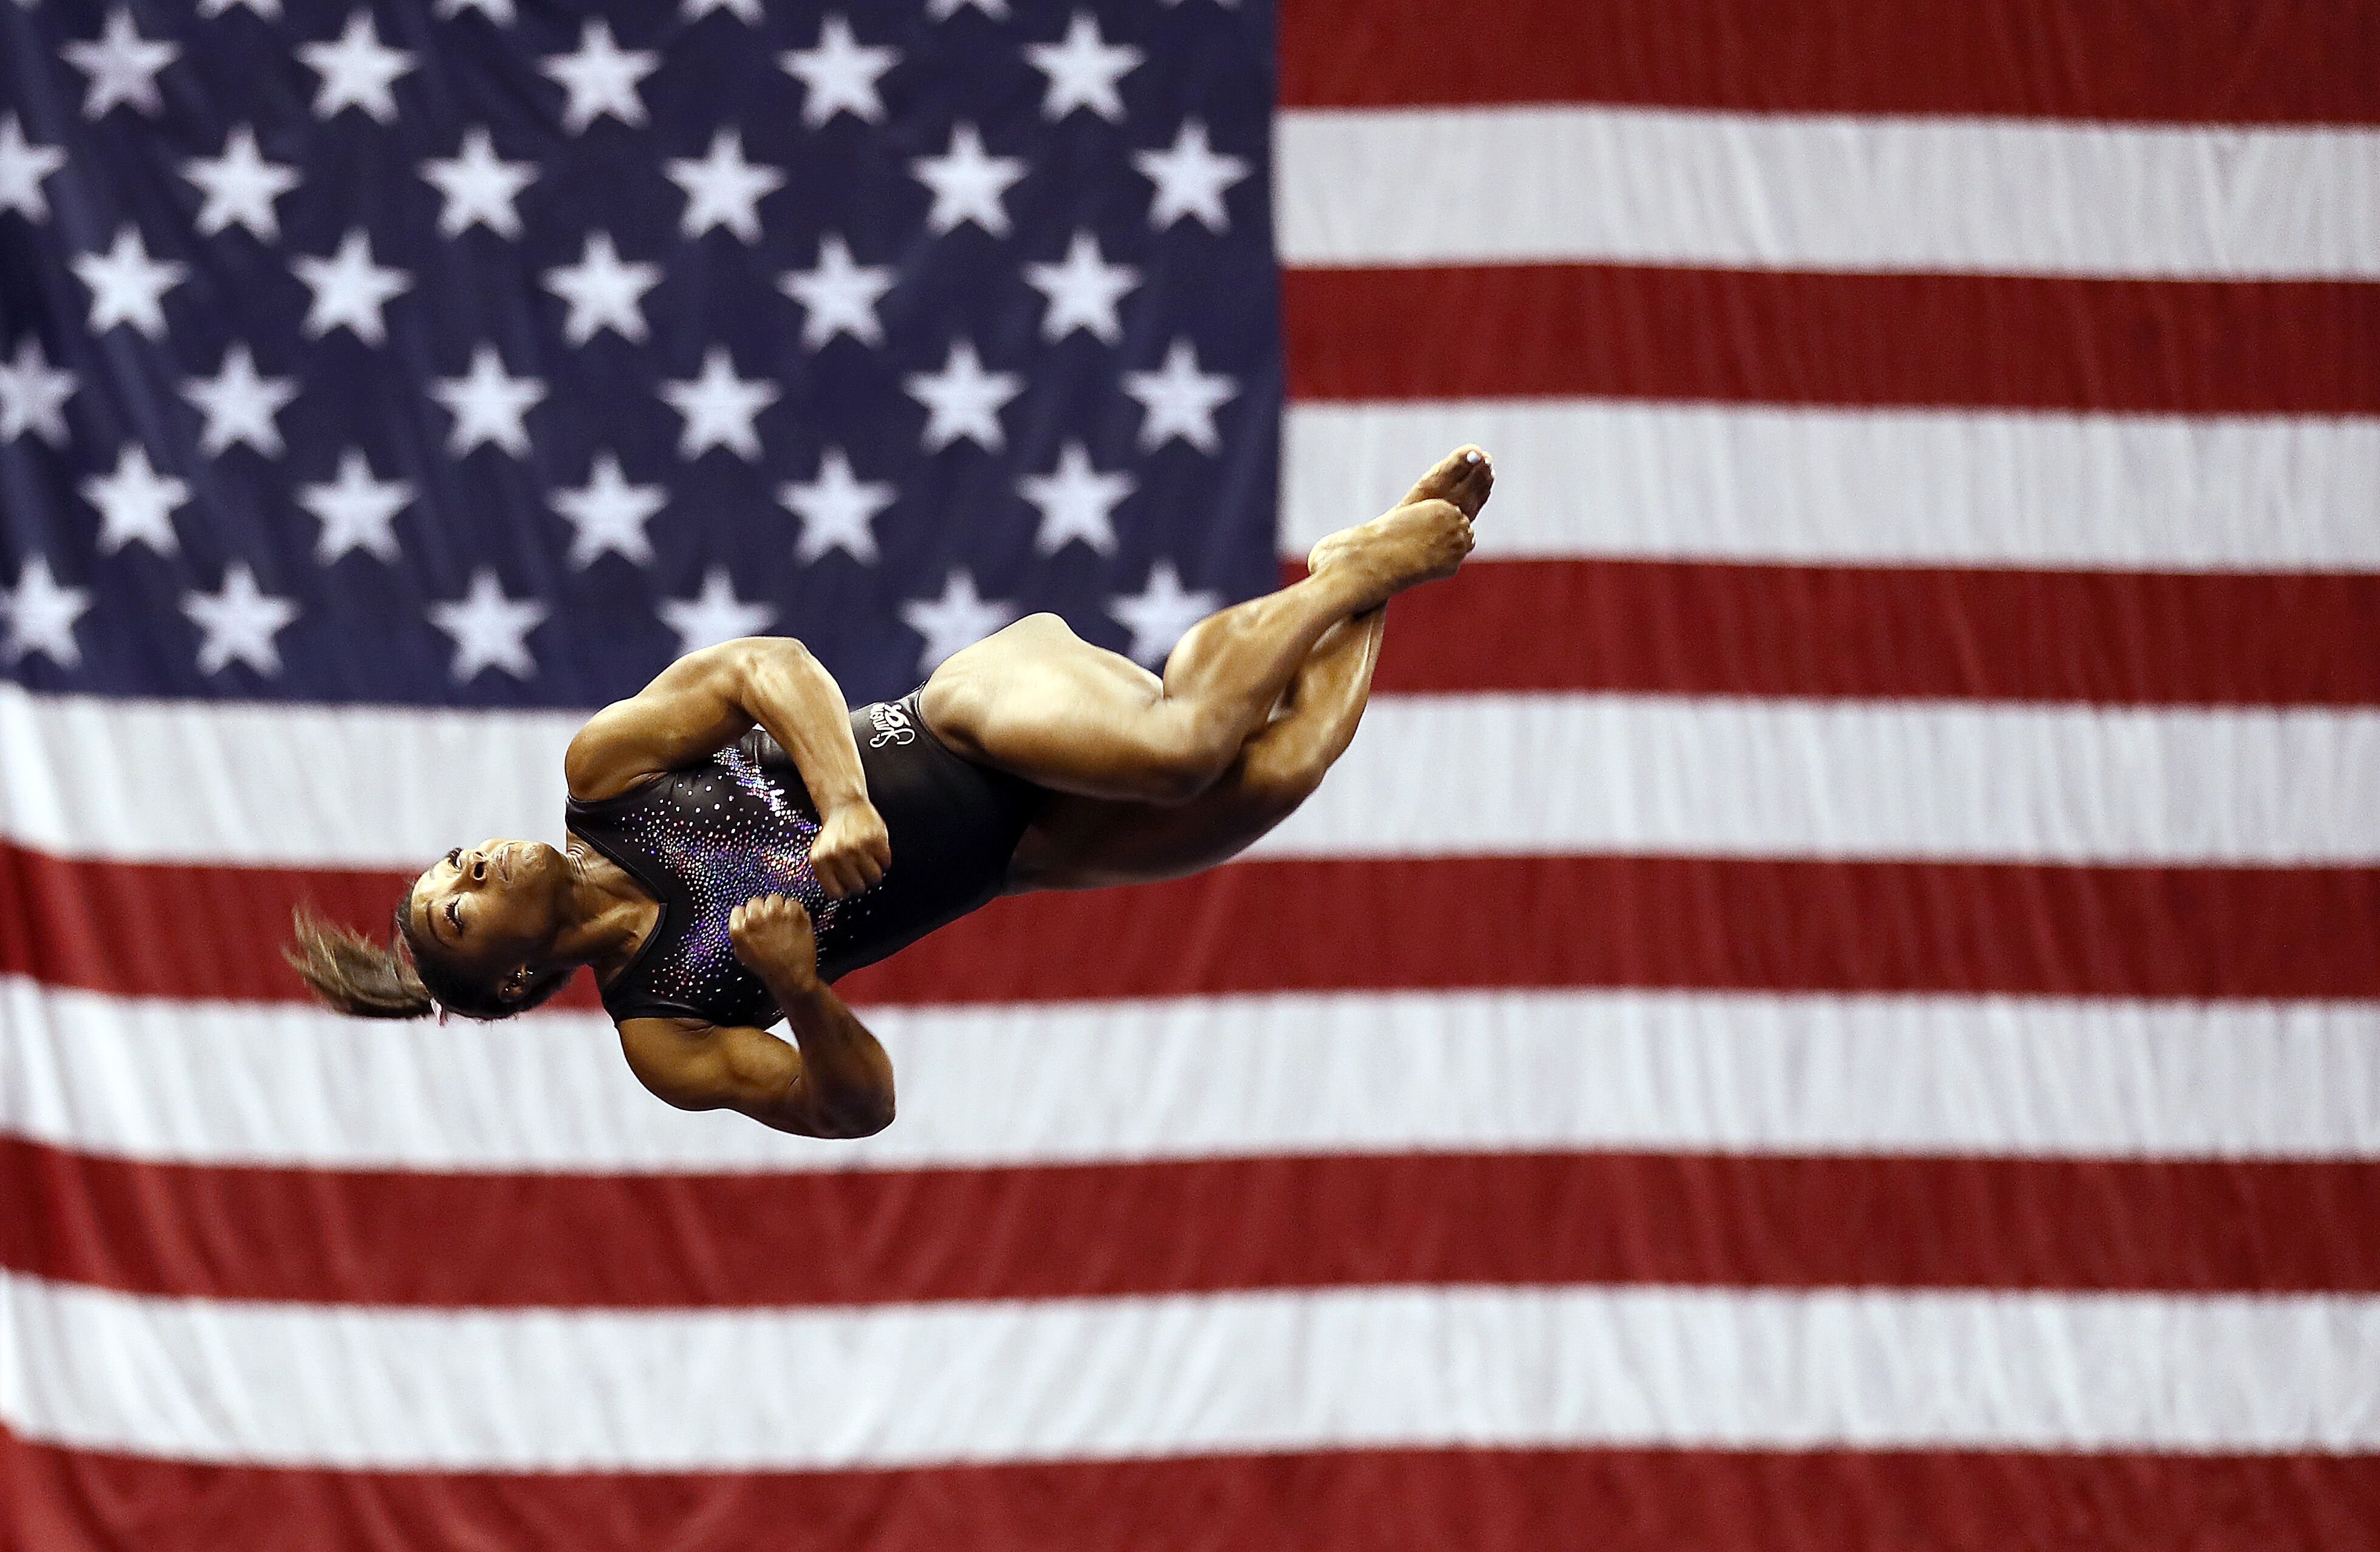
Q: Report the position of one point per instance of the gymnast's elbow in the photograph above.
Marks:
(861, 1117)
(754, 656)
(861, 1110)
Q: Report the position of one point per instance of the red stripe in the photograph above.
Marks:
(1662, 628)
(1083, 1232)
(1389, 924)
(1364, 1500)
(2277, 61)
(1737, 335)
(163, 929)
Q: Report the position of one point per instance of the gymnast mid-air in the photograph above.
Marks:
(739, 838)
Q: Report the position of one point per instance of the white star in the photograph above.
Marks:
(41, 616)
(1160, 612)
(967, 185)
(356, 510)
(122, 67)
(835, 509)
(840, 295)
(356, 71)
(136, 503)
(488, 629)
(1083, 291)
(477, 187)
(601, 78)
(1190, 179)
(602, 292)
(840, 74)
(498, 11)
(723, 189)
(943, 10)
(349, 290)
(745, 11)
(22, 168)
(1181, 400)
(956, 621)
(719, 407)
(962, 400)
(609, 514)
(239, 405)
(488, 404)
(238, 623)
(269, 9)
(1076, 502)
(33, 396)
(128, 286)
(1084, 70)
(240, 186)
(714, 615)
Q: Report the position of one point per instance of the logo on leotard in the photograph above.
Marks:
(892, 726)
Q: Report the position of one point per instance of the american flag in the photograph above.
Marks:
(1834, 1002)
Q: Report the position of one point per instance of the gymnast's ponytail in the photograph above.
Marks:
(351, 973)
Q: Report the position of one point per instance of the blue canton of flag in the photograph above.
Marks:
(494, 353)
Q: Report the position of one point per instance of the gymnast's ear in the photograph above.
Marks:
(351, 973)
(522, 990)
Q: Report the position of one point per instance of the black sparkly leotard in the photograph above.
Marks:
(704, 840)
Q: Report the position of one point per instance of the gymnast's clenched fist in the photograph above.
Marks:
(850, 851)
(773, 939)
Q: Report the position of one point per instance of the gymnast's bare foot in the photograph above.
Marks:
(1419, 542)
(1462, 479)
(1463, 476)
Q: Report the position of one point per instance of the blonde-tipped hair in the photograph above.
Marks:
(353, 974)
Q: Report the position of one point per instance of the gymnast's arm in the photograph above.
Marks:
(708, 699)
(837, 1083)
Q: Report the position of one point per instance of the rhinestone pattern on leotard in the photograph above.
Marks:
(727, 834)
(704, 839)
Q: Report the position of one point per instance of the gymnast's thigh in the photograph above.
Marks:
(1081, 843)
(1037, 702)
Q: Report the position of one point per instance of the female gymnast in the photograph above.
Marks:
(738, 838)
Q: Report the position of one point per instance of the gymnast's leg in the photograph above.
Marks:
(1036, 700)
(1089, 842)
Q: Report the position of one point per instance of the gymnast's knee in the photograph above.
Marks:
(1173, 772)
(1274, 779)
(1180, 752)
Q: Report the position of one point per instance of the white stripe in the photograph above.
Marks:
(1580, 477)
(754, 1389)
(1453, 775)
(276, 785)
(1427, 776)
(1779, 191)
(1250, 1076)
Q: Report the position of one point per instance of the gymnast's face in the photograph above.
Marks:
(492, 906)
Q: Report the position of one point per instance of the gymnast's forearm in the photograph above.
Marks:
(845, 1087)
(787, 691)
